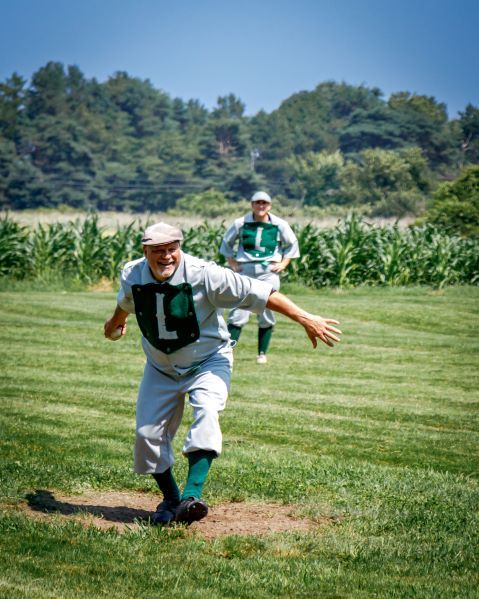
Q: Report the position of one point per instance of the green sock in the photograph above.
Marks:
(234, 331)
(167, 483)
(199, 465)
(264, 337)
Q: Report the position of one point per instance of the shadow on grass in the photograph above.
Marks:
(44, 501)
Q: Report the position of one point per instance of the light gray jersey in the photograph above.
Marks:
(213, 288)
(260, 242)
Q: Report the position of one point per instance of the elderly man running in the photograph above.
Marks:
(178, 301)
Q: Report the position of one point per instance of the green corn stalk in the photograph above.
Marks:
(91, 250)
(442, 260)
(204, 241)
(347, 249)
(389, 260)
(124, 245)
(313, 267)
(50, 251)
(468, 262)
(13, 253)
(352, 253)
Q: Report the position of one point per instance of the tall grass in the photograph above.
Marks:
(353, 253)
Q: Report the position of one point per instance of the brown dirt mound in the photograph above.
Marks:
(130, 510)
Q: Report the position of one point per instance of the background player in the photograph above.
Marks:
(259, 245)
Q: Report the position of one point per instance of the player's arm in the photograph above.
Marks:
(316, 327)
(289, 248)
(118, 319)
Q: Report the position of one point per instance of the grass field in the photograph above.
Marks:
(380, 434)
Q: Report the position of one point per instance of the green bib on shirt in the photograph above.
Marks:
(166, 315)
(259, 239)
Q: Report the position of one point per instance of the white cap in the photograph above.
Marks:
(261, 195)
(161, 233)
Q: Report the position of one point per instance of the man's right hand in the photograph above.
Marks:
(110, 330)
(117, 320)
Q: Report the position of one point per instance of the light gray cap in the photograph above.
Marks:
(161, 233)
(261, 195)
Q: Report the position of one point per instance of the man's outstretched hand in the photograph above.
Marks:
(317, 327)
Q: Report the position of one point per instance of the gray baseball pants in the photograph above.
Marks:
(160, 406)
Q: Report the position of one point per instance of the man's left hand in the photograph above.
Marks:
(317, 327)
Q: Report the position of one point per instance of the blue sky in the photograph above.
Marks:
(263, 51)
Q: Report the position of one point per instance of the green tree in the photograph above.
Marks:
(224, 146)
(376, 127)
(28, 188)
(273, 139)
(469, 127)
(123, 144)
(314, 120)
(46, 95)
(456, 204)
(7, 162)
(424, 123)
(387, 181)
(228, 127)
(12, 106)
(317, 177)
(148, 111)
(76, 90)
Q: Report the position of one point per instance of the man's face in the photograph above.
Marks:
(260, 208)
(163, 259)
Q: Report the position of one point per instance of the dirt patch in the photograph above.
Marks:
(129, 510)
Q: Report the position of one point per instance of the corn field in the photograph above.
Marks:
(353, 253)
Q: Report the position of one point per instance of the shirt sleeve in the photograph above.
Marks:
(227, 245)
(289, 242)
(125, 296)
(228, 289)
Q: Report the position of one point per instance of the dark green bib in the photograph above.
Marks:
(166, 315)
(259, 239)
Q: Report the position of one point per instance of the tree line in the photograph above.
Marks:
(66, 140)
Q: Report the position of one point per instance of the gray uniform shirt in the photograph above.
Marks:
(214, 289)
(285, 244)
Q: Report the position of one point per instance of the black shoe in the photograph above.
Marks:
(165, 512)
(191, 509)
